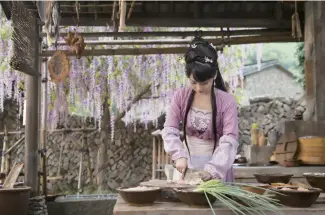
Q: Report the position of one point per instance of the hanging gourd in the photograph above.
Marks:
(59, 67)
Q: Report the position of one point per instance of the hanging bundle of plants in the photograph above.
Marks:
(238, 200)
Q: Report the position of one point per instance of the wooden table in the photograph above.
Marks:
(174, 208)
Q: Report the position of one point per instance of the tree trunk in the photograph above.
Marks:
(102, 150)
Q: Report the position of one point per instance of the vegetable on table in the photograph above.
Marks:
(238, 200)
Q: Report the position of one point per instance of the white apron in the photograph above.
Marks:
(201, 152)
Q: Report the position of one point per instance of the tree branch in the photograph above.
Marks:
(136, 99)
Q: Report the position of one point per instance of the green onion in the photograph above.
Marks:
(231, 195)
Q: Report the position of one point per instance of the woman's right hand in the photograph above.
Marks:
(181, 165)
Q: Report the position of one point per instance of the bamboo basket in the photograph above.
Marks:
(312, 150)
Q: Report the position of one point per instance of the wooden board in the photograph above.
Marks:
(163, 184)
(13, 175)
(175, 208)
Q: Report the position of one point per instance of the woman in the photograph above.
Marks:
(209, 117)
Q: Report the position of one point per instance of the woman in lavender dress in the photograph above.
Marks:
(209, 118)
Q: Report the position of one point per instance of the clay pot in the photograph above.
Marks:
(262, 140)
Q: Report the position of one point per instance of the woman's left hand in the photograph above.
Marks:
(205, 176)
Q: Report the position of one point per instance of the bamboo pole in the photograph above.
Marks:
(154, 159)
(60, 154)
(176, 50)
(183, 33)
(79, 186)
(14, 145)
(158, 42)
(4, 147)
(56, 130)
(44, 128)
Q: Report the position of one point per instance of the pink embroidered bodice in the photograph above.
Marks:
(199, 125)
(200, 120)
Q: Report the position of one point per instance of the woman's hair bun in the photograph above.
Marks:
(202, 51)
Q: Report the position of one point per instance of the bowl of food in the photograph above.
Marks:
(191, 197)
(255, 187)
(139, 196)
(316, 180)
(273, 178)
(296, 196)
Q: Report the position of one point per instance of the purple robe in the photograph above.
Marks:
(200, 136)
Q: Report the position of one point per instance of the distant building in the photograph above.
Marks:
(271, 80)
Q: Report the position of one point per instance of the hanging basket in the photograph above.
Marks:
(59, 67)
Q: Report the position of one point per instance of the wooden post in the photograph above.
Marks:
(81, 159)
(315, 57)
(31, 127)
(4, 148)
(309, 49)
(44, 128)
(154, 159)
(319, 38)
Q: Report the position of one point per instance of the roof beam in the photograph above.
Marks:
(215, 41)
(174, 50)
(183, 34)
(183, 22)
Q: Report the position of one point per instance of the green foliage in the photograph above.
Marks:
(283, 52)
(300, 57)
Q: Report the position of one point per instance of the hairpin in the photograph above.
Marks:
(208, 60)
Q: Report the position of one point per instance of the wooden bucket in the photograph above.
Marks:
(312, 150)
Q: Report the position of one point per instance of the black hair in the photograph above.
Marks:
(201, 63)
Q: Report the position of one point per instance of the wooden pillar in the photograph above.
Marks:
(319, 38)
(315, 57)
(31, 126)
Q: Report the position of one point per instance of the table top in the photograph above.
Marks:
(177, 208)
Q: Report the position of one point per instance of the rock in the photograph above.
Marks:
(143, 151)
(262, 109)
(286, 107)
(117, 142)
(300, 109)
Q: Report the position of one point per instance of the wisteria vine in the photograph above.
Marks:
(115, 80)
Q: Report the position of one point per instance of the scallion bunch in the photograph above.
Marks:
(238, 200)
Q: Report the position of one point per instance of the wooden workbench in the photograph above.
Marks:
(174, 208)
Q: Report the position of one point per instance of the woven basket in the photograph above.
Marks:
(312, 150)
(59, 67)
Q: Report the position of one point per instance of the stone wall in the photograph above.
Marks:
(130, 155)
(267, 113)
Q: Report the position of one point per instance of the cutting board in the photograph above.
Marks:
(164, 184)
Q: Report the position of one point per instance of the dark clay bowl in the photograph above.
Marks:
(273, 178)
(190, 197)
(295, 198)
(316, 180)
(255, 187)
(139, 197)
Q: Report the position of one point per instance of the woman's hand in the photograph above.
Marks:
(181, 165)
(205, 176)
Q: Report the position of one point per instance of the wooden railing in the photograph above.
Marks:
(159, 157)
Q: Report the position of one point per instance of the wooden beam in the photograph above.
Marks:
(173, 50)
(159, 42)
(6, 7)
(184, 22)
(31, 127)
(183, 34)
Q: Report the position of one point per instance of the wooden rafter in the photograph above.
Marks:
(183, 34)
(175, 50)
